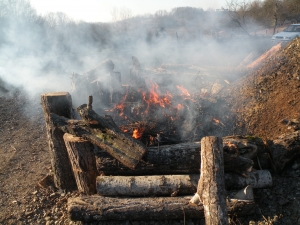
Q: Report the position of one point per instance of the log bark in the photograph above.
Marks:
(61, 104)
(183, 158)
(103, 133)
(171, 185)
(257, 179)
(211, 188)
(164, 185)
(99, 208)
(83, 162)
(285, 149)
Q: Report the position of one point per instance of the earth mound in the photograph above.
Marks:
(268, 95)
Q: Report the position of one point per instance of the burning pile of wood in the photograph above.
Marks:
(148, 108)
(125, 180)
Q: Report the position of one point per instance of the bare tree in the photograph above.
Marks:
(239, 12)
(17, 9)
(121, 17)
(57, 19)
(292, 10)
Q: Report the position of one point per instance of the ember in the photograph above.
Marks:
(138, 133)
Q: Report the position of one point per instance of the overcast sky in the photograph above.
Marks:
(100, 10)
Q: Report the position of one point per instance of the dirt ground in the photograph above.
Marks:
(258, 101)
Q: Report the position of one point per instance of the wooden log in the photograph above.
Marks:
(183, 158)
(83, 162)
(61, 104)
(131, 149)
(237, 163)
(163, 185)
(99, 208)
(245, 193)
(256, 178)
(103, 133)
(285, 149)
(170, 185)
(211, 188)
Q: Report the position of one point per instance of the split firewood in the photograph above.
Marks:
(99, 208)
(103, 132)
(61, 104)
(183, 158)
(211, 187)
(285, 149)
(168, 185)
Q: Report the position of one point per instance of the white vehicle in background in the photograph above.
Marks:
(287, 34)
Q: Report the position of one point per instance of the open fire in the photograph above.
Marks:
(155, 109)
(162, 116)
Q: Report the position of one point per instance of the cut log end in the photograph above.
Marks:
(51, 94)
(72, 138)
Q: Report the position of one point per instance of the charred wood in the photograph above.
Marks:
(61, 104)
(99, 208)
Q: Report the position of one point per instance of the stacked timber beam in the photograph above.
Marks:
(159, 177)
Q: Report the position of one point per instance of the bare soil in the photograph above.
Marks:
(258, 103)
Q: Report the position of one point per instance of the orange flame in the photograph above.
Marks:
(120, 107)
(230, 145)
(154, 96)
(138, 132)
(183, 91)
(216, 120)
(179, 107)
